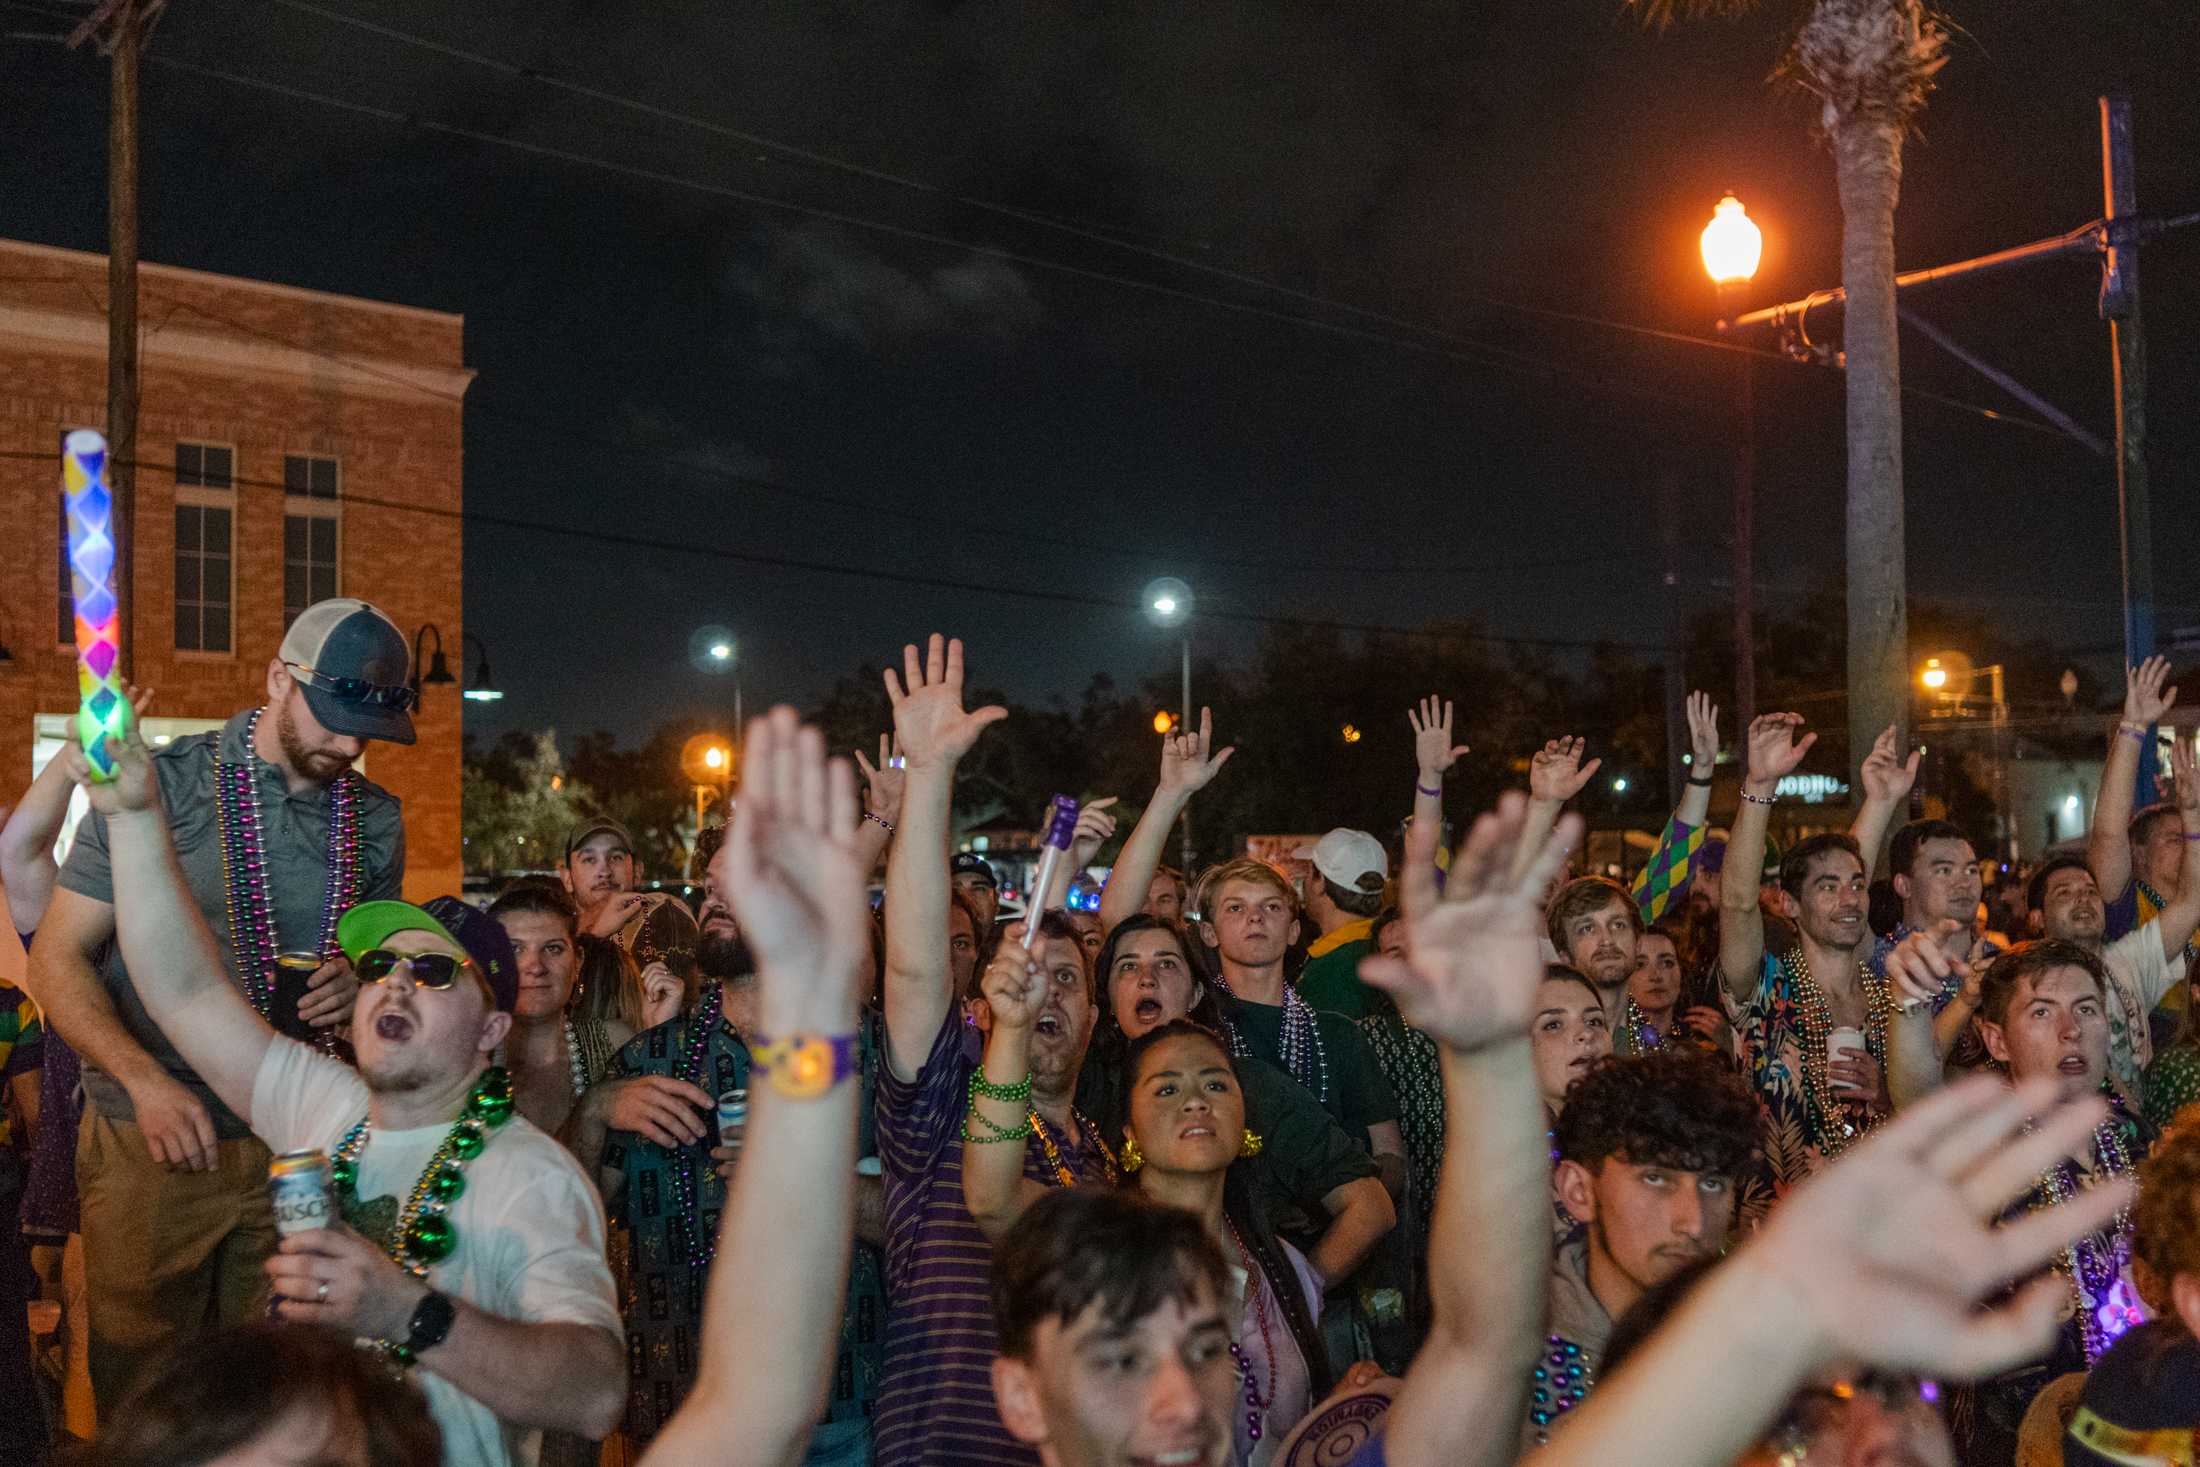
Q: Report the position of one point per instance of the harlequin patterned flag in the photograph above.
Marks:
(103, 712)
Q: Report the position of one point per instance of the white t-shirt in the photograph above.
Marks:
(2140, 974)
(530, 1227)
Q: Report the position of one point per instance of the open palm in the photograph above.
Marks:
(1556, 773)
(927, 699)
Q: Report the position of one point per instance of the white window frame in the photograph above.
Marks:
(312, 506)
(208, 496)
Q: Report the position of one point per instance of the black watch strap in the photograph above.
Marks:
(431, 1321)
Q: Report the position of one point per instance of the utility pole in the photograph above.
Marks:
(120, 27)
(1745, 553)
(2127, 345)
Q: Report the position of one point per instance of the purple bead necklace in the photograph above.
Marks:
(693, 1052)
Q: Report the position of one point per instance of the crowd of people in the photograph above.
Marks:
(1405, 1155)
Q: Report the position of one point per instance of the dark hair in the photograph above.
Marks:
(1998, 985)
(1911, 838)
(1567, 973)
(1652, 1308)
(608, 985)
(1351, 899)
(2035, 890)
(2141, 829)
(1379, 926)
(1795, 865)
(2165, 1220)
(1581, 896)
(1078, 1247)
(1882, 908)
(215, 1392)
(1678, 1108)
(1206, 1010)
(537, 896)
(1134, 1054)
(1053, 923)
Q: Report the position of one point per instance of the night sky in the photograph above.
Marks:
(662, 359)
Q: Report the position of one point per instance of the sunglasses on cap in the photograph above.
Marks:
(358, 690)
(429, 970)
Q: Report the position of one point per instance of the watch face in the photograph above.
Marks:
(431, 1321)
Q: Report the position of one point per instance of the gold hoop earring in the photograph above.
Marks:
(1133, 1158)
(1251, 1143)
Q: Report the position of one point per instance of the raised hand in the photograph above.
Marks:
(1884, 1256)
(1433, 750)
(1187, 766)
(1887, 776)
(2186, 773)
(1556, 773)
(1015, 982)
(1703, 735)
(1474, 953)
(792, 867)
(1094, 826)
(2145, 699)
(1774, 748)
(134, 788)
(928, 705)
(884, 782)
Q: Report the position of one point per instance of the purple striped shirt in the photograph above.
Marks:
(935, 1405)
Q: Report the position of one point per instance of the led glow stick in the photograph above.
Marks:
(1061, 826)
(103, 710)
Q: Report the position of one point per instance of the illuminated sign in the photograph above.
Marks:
(1812, 789)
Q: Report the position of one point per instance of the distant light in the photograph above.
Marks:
(2070, 803)
(1934, 676)
(1164, 721)
(557, 782)
(1168, 601)
(1166, 605)
(1351, 734)
(162, 738)
(714, 757)
(1619, 786)
(1688, 758)
(720, 651)
(483, 695)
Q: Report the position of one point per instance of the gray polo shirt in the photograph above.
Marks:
(295, 827)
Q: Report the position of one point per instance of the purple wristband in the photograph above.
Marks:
(2136, 735)
(1434, 794)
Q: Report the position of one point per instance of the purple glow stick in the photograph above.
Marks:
(1061, 826)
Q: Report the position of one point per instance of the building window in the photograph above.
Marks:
(205, 515)
(312, 533)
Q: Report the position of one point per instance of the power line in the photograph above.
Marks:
(892, 577)
(1114, 241)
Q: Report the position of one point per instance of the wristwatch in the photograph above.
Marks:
(431, 1321)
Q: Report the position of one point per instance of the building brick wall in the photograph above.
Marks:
(268, 370)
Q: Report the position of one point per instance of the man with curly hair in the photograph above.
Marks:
(2142, 1400)
(1650, 1150)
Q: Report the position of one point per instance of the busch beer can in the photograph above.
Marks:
(301, 1187)
(733, 1112)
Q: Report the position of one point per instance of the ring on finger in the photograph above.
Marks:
(320, 1292)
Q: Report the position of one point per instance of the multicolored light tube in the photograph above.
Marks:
(103, 710)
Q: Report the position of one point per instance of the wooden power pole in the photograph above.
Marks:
(120, 28)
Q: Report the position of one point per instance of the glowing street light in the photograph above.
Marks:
(721, 651)
(1934, 676)
(1168, 603)
(1164, 721)
(714, 758)
(1351, 733)
(1732, 244)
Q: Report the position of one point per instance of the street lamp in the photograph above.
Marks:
(1732, 246)
(1948, 677)
(480, 687)
(1168, 603)
(710, 764)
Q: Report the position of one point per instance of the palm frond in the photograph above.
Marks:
(1868, 60)
(1662, 13)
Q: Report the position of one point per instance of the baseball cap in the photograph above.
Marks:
(477, 934)
(2137, 1405)
(589, 830)
(352, 663)
(970, 863)
(1352, 859)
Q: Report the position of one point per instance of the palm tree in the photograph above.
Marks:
(1869, 64)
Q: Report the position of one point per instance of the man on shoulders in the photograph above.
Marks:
(471, 1245)
(1350, 870)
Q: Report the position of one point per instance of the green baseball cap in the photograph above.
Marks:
(472, 931)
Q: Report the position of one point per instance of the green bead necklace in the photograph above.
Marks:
(423, 1233)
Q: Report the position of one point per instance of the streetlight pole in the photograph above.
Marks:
(1169, 604)
(1186, 824)
(1732, 247)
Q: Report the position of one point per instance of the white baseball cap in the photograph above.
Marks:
(1352, 859)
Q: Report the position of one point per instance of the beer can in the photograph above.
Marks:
(299, 962)
(733, 1112)
(302, 1189)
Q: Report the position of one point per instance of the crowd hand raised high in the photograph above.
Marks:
(2185, 774)
(1777, 746)
(1887, 776)
(1014, 983)
(1094, 826)
(1884, 1256)
(883, 782)
(2145, 699)
(1189, 761)
(1474, 952)
(927, 699)
(792, 866)
(1433, 751)
(1703, 734)
(1556, 773)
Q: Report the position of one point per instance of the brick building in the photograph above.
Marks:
(282, 436)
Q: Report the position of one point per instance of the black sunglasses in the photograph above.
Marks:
(359, 690)
(429, 970)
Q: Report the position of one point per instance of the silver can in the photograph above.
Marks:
(303, 1191)
(733, 1112)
